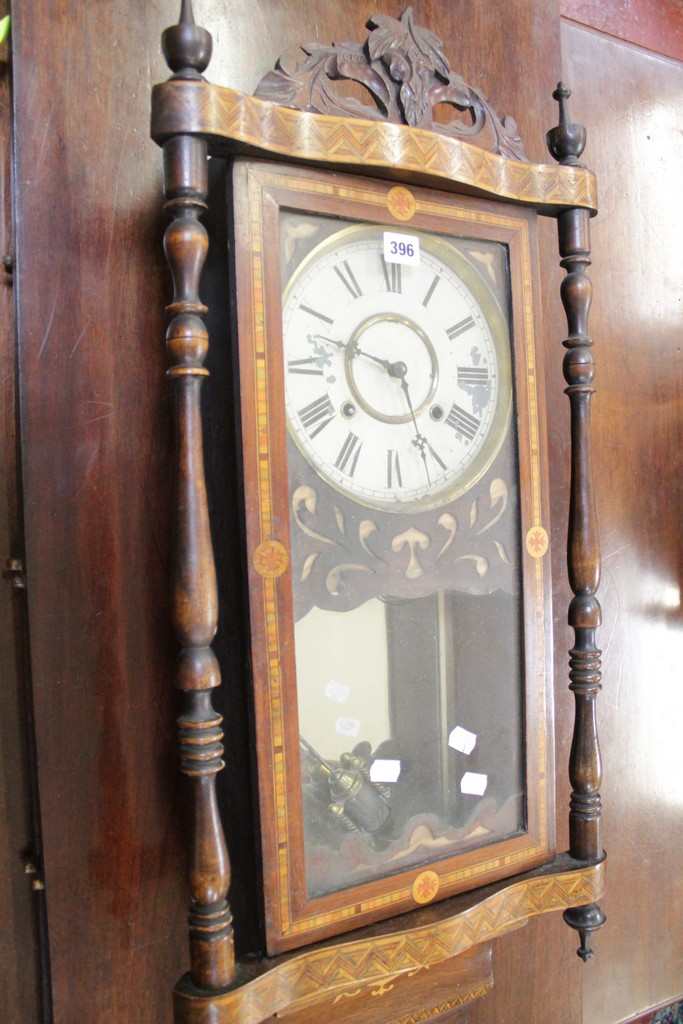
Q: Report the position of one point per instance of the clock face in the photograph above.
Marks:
(397, 367)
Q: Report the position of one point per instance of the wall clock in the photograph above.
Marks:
(385, 281)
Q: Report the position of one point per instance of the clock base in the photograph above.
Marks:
(419, 966)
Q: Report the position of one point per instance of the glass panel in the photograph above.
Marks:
(410, 732)
(405, 547)
(331, 706)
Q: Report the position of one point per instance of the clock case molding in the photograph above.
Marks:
(398, 139)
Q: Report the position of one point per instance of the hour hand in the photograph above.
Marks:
(315, 338)
(384, 363)
(353, 349)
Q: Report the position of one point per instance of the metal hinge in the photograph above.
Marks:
(37, 884)
(14, 570)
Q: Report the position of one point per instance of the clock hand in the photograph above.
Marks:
(355, 350)
(321, 337)
(400, 371)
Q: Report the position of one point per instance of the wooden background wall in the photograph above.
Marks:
(96, 462)
(631, 102)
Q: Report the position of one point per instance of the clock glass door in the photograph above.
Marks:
(398, 394)
(393, 476)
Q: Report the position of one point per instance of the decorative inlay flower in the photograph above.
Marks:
(271, 559)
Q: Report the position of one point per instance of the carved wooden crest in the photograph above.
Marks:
(402, 71)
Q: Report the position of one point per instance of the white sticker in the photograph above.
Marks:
(384, 770)
(473, 782)
(337, 691)
(348, 726)
(399, 248)
(462, 740)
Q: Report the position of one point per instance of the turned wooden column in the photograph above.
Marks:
(195, 607)
(566, 143)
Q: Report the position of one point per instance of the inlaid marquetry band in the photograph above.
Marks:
(449, 1004)
(320, 974)
(235, 120)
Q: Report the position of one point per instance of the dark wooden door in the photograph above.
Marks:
(22, 954)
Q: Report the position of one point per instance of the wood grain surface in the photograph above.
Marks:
(96, 460)
(656, 25)
(20, 895)
(638, 418)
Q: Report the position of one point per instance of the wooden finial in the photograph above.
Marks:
(567, 141)
(585, 920)
(187, 47)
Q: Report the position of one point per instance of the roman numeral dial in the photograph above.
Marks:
(396, 374)
(315, 416)
(308, 365)
(347, 460)
(462, 422)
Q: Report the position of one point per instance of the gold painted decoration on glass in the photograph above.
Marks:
(397, 368)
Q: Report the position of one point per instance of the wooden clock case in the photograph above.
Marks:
(425, 963)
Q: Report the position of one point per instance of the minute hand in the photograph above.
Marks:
(400, 370)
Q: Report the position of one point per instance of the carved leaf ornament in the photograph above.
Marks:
(403, 70)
